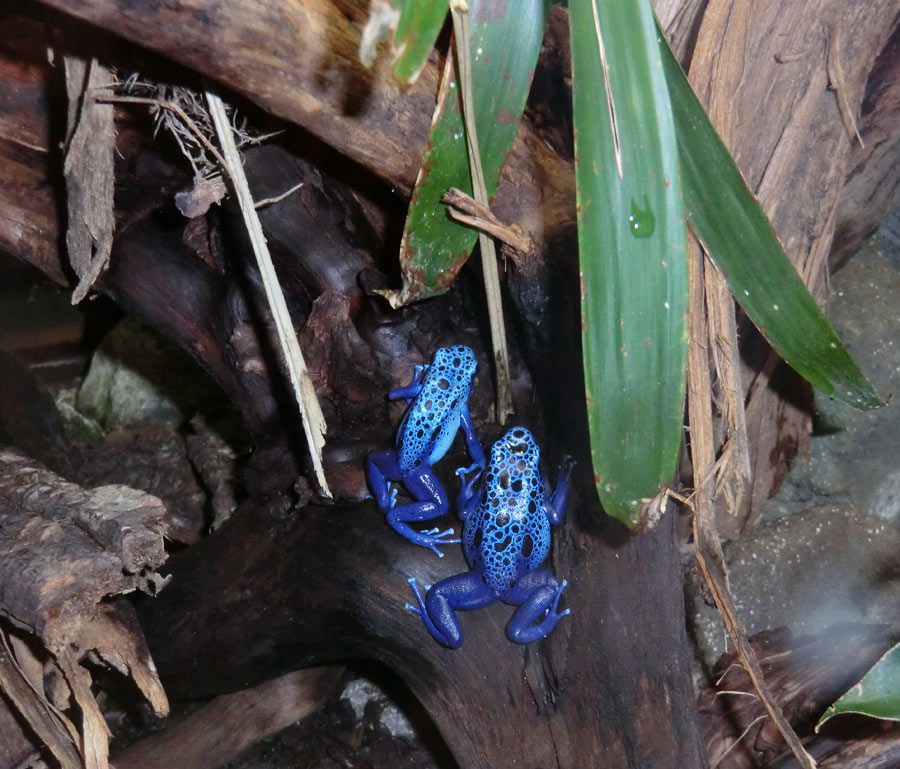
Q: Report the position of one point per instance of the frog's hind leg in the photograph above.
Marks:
(381, 469)
(537, 595)
(432, 503)
(438, 608)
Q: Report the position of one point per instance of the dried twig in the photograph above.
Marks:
(838, 84)
(459, 10)
(53, 729)
(163, 104)
(467, 210)
(277, 198)
(709, 554)
(313, 420)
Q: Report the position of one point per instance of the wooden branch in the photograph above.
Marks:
(65, 552)
(469, 211)
(707, 547)
(220, 730)
(330, 584)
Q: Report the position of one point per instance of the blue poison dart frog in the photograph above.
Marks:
(438, 395)
(506, 537)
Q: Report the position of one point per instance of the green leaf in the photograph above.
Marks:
(415, 25)
(877, 695)
(505, 42)
(420, 23)
(735, 232)
(632, 244)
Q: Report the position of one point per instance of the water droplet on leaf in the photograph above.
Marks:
(642, 221)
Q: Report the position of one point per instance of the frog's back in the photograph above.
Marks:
(509, 534)
(431, 423)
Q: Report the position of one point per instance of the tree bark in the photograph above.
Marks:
(806, 67)
(609, 687)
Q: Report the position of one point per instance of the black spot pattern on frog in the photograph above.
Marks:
(433, 416)
(509, 534)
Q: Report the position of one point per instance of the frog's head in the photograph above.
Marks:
(518, 445)
(457, 363)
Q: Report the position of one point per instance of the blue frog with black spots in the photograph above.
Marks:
(506, 537)
(438, 396)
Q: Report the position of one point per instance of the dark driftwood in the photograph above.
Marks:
(301, 63)
(65, 551)
(610, 687)
(810, 66)
(806, 675)
(218, 732)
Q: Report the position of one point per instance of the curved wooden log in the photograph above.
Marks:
(610, 687)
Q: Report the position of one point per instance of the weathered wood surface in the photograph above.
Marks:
(66, 551)
(806, 674)
(610, 687)
(300, 62)
(873, 184)
(805, 69)
(221, 729)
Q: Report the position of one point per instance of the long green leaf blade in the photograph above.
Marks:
(631, 240)
(877, 695)
(738, 237)
(505, 42)
(414, 26)
(420, 23)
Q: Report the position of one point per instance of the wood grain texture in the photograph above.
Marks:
(610, 687)
(300, 61)
(773, 56)
(872, 188)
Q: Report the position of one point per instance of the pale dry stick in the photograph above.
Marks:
(470, 212)
(53, 729)
(313, 420)
(838, 84)
(710, 557)
(459, 10)
(723, 338)
(277, 198)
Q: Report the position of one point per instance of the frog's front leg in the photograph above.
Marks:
(432, 503)
(381, 469)
(555, 505)
(438, 608)
(537, 595)
(472, 442)
(468, 498)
